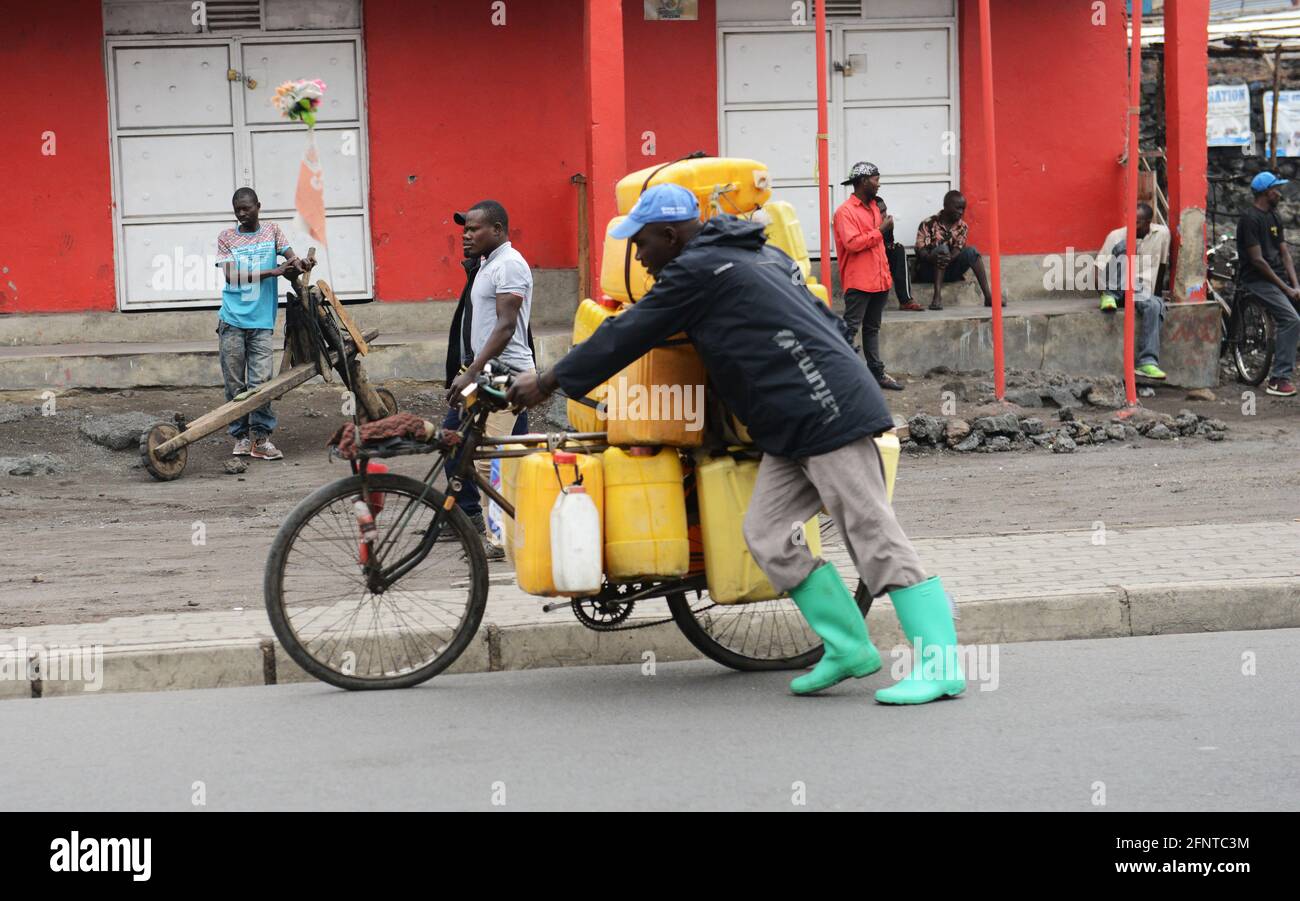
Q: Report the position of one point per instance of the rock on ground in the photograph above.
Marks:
(1063, 444)
(926, 429)
(1001, 424)
(15, 413)
(32, 465)
(958, 431)
(1200, 394)
(121, 431)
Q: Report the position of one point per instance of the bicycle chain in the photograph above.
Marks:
(620, 627)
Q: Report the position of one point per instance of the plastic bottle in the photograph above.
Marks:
(575, 538)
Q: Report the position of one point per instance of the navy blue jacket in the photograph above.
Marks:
(774, 353)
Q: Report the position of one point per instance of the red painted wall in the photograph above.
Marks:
(461, 110)
(1061, 91)
(682, 112)
(56, 253)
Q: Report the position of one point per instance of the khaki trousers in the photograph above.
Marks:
(850, 484)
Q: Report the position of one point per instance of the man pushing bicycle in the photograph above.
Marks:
(778, 359)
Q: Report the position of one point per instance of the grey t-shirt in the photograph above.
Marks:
(504, 271)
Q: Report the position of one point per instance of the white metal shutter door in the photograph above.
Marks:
(176, 151)
(898, 111)
(769, 113)
(897, 64)
(276, 149)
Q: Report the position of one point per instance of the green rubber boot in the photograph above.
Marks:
(926, 618)
(831, 611)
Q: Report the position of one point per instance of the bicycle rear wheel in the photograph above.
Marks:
(323, 611)
(763, 636)
(1252, 341)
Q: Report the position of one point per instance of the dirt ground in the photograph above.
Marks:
(103, 539)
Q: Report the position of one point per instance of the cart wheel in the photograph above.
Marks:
(389, 400)
(164, 470)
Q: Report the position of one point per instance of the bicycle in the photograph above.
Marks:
(407, 593)
(1247, 329)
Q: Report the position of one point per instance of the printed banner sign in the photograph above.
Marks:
(1288, 122)
(1227, 121)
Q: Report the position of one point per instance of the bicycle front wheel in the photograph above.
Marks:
(323, 610)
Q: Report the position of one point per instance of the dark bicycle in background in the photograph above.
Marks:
(1248, 332)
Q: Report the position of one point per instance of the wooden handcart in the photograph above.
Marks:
(319, 339)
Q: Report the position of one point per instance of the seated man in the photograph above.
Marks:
(1152, 249)
(942, 254)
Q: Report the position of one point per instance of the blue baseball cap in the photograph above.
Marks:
(1265, 180)
(662, 203)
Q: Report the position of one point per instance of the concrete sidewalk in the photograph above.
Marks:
(1008, 588)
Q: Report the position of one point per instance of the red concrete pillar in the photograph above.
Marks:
(1186, 81)
(606, 117)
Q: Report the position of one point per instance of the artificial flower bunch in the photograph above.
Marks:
(300, 99)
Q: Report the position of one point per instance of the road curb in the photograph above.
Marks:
(1119, 612)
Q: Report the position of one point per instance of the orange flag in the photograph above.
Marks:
(309, 200)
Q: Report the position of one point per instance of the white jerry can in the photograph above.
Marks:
(575, 542)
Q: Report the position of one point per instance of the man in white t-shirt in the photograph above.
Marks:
(495, 322)
(1152, 250)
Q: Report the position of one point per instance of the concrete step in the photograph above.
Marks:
(554, 303)
(1067, 334)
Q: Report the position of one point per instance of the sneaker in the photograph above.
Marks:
(1151, 371)
(1109, 303)
(495, 552)
(911, 307)
(1280, 388)
(890, 384)
(243, 447)
(263, 449)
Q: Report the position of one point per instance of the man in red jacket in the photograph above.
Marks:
(864, 265)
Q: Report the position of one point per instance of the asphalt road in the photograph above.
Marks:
(1166, 723)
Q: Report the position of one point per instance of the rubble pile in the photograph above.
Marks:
(1002, 429)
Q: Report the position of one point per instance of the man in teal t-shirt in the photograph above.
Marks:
(248, 255)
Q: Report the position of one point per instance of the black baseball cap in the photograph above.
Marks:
(459, 217)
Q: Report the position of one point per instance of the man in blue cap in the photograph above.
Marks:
(780, 362)
(1268, 272)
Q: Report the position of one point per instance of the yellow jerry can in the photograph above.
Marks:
(536, 488)
(621, 276)
(819, 291)
(721, 184)
(509, 489)
(784, 231)
(658, 398)
(645, 514)
(724, 486)
(590, 315)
